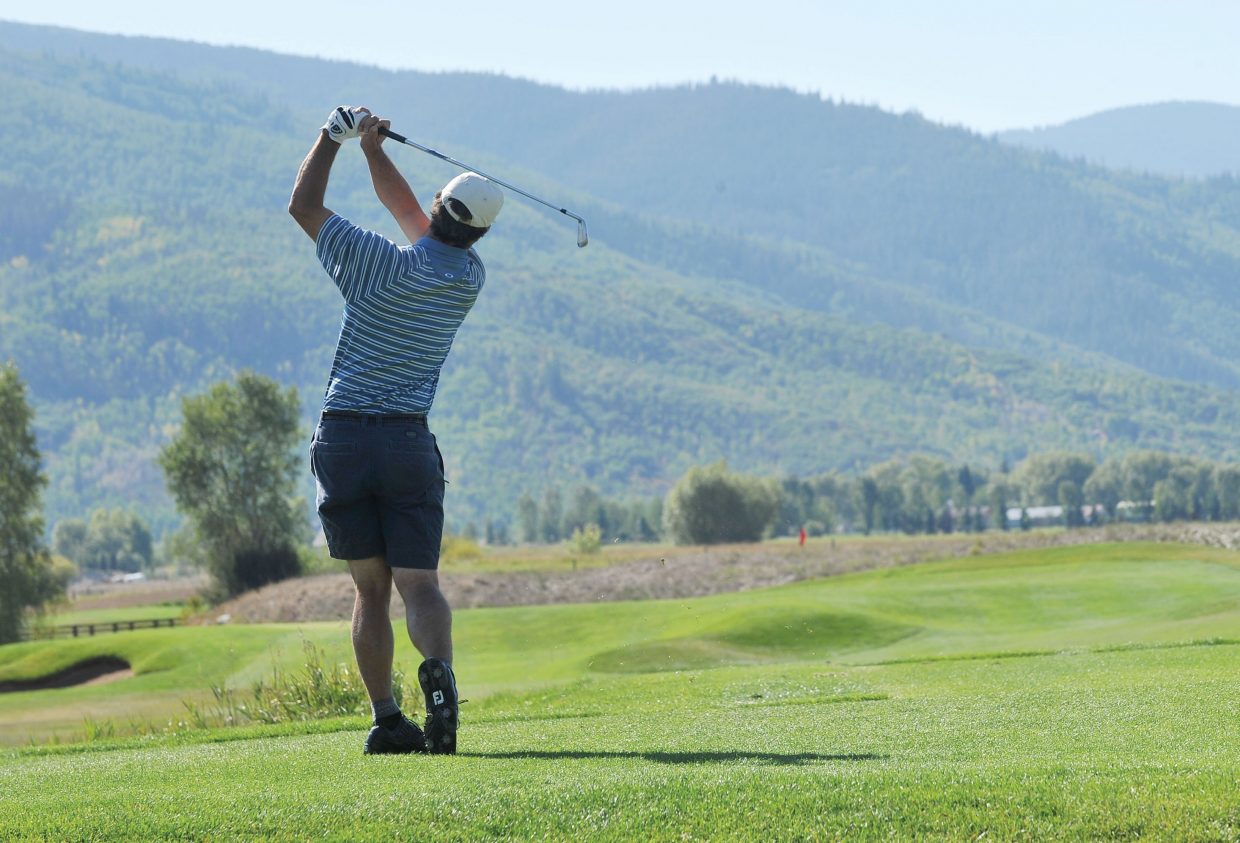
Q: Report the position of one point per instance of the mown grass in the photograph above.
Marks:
(1063, 694)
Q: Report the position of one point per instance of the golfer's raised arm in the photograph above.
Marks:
(306, 203)
(390, 186)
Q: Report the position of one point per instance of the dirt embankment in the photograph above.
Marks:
(693, 572)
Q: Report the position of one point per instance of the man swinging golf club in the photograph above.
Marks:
(378, 469)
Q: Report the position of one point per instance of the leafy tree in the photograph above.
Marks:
(113, 540)
(233, 470)
(1039, 476)
(527, 518)
(1071, 499)
(998, 498)
(585, 506)
(1227, 491)
(796, 505)
(1205, 502)
(69, 539)
(1106, 486)
(27, 578)
(1183, 494)
(496, 532)
(1142, 470)
(968, 482)
(1171, 500)
(892, 509)
(711, 505)
(552, 511)
(867, 502)
(646, 520)
(587, 539)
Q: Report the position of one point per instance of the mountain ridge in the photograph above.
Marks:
(1176, 139)
(154, 256)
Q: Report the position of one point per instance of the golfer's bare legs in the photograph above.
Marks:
(427, 613)
(372, 628)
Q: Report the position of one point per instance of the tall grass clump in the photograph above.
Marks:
(319, 689)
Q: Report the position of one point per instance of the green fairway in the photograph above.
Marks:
(1078, 692)
(153, 611)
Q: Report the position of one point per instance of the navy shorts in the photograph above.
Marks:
(380, 488)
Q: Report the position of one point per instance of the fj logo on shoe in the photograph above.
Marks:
(437, 697)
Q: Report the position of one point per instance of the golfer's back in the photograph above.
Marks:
(402, 310)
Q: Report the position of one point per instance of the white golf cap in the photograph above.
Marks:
(478, 194)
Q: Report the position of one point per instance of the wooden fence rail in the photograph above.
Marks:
(83, 630)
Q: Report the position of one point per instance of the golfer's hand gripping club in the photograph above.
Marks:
(583, 237)
(342, 123)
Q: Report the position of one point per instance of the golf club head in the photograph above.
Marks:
(583, 239)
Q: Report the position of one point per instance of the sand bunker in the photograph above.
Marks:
(96, 671)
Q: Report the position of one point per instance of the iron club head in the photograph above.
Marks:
(583, 239)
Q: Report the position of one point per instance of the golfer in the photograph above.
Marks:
(378, 469)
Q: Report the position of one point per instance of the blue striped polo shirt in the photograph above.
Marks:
(402, 308)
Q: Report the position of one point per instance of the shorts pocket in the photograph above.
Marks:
(413, 475)
(333, 447)
(324, 455)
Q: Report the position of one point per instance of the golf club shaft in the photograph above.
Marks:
(402, 139)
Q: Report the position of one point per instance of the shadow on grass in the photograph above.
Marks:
(776, 758)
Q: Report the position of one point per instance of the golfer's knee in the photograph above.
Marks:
(373, 580)
(418, 587)
(374, 593)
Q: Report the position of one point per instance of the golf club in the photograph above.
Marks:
(582, 237)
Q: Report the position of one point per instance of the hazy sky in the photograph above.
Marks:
(987, 64)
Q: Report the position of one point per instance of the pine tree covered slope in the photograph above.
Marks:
(1136, 268)
(148, 253)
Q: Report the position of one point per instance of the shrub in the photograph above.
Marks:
(711, 505)
(458, 548)
(587, 539)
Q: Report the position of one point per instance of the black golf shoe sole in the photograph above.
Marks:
(442, 708)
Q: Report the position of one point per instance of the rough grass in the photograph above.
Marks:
(171, 665)
(1063, 694)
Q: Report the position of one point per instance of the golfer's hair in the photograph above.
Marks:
(446, 229)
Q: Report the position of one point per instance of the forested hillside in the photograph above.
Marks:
(790, 284)
(1038, 242)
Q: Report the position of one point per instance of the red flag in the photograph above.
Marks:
(802, 537)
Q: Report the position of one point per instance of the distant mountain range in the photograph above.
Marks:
(1176, 139)
(795, 285)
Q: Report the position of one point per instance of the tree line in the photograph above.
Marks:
(915, 495)
(233, 470)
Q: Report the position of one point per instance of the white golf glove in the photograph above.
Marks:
(342, 123)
